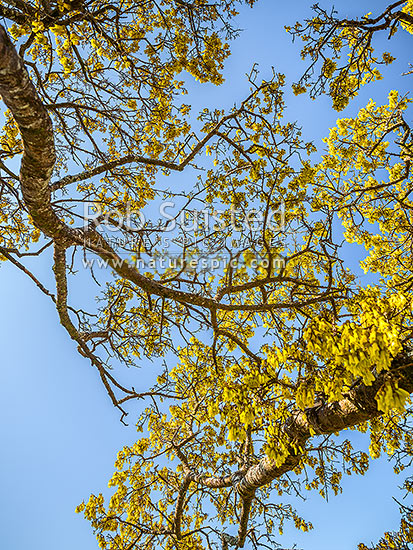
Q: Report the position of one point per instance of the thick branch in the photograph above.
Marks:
(358, 406)
(180, 506)
(243, 524)
(20, 96)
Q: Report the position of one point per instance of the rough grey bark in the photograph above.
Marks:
(358, 405)
(19, 94)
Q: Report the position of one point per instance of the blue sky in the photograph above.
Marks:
(59, 432)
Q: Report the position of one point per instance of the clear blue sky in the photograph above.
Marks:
(59, 432)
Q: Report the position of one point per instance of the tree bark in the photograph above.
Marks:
(358, 406)
(35, 125)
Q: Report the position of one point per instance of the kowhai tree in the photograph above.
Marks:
(272, 353)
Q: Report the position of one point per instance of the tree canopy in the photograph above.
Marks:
(268, 347)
